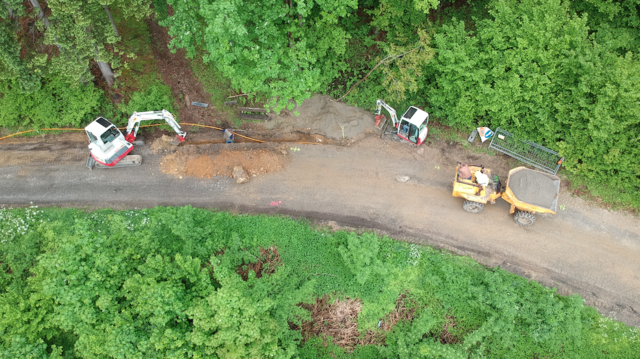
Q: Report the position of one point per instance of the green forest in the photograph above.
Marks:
(193, 283)
(564, 74)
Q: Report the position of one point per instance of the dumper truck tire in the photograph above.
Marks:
(472, 207)
(524, 218)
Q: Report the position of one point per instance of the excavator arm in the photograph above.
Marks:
(137, 117)
(394, 117)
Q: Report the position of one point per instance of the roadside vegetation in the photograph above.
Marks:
(192, 283)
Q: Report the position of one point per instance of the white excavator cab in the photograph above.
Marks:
(107, 144)
(411, 127)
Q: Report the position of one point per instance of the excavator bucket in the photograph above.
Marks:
(177, 140)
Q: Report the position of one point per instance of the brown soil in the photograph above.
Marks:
(339, 320)
(162, 145)
(254, 161)
(267, 263)
(176, 72)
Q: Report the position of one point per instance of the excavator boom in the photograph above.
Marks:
(137, 117)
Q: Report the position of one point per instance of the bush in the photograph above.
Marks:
(533, 69)
(155, 98)
(167, 281)
(56, 104)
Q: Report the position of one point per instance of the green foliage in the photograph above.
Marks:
(276, 49)
(533, 69)
(165, 282)
(360, 256)
(12, 67)
(154, 98)
(161, 8)
(57, 103)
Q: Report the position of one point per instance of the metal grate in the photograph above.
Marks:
(527, 152)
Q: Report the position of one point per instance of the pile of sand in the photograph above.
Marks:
(323, 116)
(255, 162)
(536, 188)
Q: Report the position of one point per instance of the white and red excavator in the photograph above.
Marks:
(411, 127)
(109, 148)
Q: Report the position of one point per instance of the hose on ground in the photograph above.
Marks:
(158, 124)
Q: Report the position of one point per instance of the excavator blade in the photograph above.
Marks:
(127, 161)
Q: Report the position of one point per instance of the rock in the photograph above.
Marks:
(353, 123)
(421, 151)
(402, 179)
(284, 152)
(240, 175)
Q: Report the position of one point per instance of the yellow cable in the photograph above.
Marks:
(159, 124)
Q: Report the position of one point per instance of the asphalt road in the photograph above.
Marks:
(585, 250)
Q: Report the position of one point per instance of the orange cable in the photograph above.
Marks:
(159, 124)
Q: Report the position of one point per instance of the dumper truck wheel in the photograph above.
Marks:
(524, 218)
(473, 207)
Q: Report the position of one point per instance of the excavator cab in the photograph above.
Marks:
(413, 125)
(107, 144)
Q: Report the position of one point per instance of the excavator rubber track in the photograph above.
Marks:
(127, 161)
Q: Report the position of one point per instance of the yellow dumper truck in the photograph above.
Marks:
(528, 191)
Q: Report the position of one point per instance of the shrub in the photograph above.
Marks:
(56, 104)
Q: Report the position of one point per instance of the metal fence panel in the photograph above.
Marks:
(527, 152)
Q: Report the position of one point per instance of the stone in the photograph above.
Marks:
(240, 175)
(402, 179)
(421, 151)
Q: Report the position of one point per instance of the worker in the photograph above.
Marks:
(228, 135)
(464, 171)
(482, 178)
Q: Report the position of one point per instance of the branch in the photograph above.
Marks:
(395, 57)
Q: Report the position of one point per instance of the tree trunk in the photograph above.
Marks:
(113, 24)
(107, 73)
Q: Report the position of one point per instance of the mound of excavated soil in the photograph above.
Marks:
(162, 145)
(255, 162)
(533, 187)
(322, 116)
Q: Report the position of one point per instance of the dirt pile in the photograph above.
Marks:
(536, 188)
(255, 162)
(323, 116)
(162, 145)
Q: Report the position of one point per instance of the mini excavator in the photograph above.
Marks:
(411, 127)
(109, 148)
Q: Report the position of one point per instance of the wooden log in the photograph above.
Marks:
(252, 109)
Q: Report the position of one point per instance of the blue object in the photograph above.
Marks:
(228, 136)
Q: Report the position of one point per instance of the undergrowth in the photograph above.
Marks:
(186, 282)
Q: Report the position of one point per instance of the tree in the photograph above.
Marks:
(289, 49)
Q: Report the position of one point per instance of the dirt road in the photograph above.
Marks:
(583, 250)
